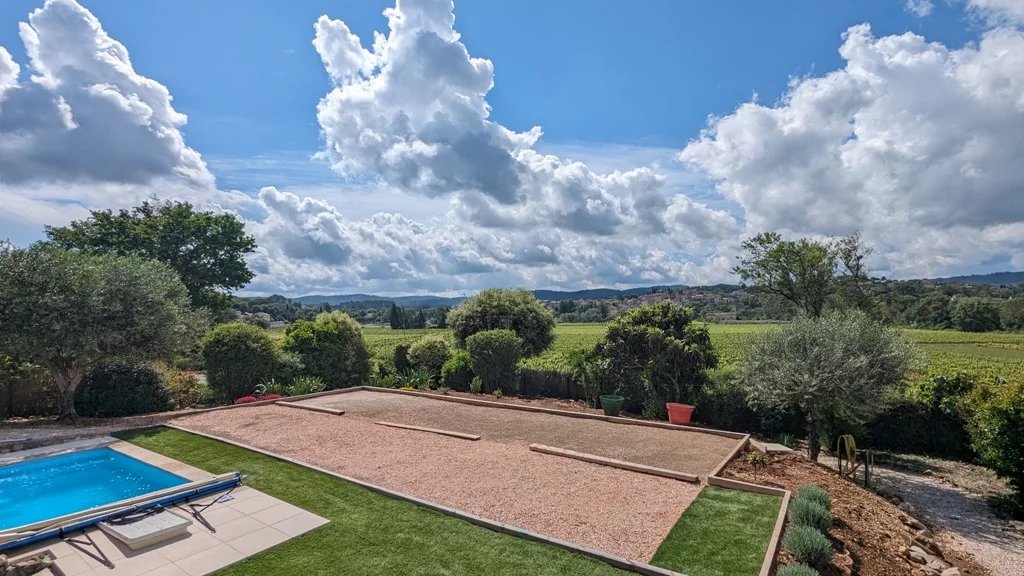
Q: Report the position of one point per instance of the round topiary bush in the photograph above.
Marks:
(122, 390)
(515, 310)
(246, 399)
(331, 348)
(797, 570)
(430, 353)
(810, 513)
(457, 372)
(237, 357)
(494, 356)
(814, 493)
(808, 545)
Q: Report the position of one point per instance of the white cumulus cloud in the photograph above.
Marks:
(910, 142)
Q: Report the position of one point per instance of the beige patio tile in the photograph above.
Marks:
(73, 565)
(168, 570)
(209, 560)
(194, 543)
(300, 524)
(254, 504)
(59, 548)
(138, 565)
(237, 528)
(258, 541)
(276, 513)
(221, 514)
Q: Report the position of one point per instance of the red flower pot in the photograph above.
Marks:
(679, 413)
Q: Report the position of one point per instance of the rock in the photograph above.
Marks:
(928, 544)
(917, 555)
(951, 572)
(906, 507)
(937, 565)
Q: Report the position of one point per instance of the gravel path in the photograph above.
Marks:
(962, 519)
(621, 512)
(684, 451)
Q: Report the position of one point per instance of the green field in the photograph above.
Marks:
(983, 356)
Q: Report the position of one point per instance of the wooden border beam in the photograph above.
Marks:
(622, 464)
(311, 408)
(461, 435)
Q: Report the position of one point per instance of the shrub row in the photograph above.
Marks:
(807, 535)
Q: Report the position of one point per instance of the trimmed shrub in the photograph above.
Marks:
(494, 356)
(515, 310)
(331, 348)
(238, 357)
(808, 545)
(814, 493)
(998, 432)
(400, 358)
(122, 390)
(457, 372)
(270, 397)
(810, 513)
(288, 366)
(430, 353)
(797, 570)
(245, 400)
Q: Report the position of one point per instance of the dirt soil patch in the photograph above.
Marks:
(684, 451)
(617, 511)
(868, 527)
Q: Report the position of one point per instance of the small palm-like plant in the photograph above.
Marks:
(306, 385)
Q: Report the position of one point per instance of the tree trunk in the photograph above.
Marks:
(67, 382)
(813, 440)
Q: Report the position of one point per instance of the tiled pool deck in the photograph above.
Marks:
(246, 524)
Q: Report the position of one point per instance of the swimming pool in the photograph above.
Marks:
(54, 486)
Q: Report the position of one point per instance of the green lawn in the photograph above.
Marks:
(723, 533)
(369, 533)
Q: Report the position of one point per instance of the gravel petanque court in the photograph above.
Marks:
(680, 450)
(497, 477)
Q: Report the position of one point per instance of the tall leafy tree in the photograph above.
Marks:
(497, 308)
(207, 250)
(69, 311)
(657, 354)
(833, 369)
(806, 272)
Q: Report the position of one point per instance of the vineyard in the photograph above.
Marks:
(982, 356)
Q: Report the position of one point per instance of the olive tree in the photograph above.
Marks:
(836, 368)
(498, 309)
(68, 311)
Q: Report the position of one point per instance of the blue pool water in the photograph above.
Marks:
(50, 487)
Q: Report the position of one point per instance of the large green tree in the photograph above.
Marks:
(833, 369)
(499, 309)
(332, 348)
(807, 272)
(68, 311)
(206, 249)
(656, 354)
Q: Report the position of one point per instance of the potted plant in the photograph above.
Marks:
(679, 413)
(611, 404)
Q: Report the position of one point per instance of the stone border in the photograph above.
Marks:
(772, 553)
(57, 449)
(610, 559)
(622, 464)
(311, 408)
(461, 435)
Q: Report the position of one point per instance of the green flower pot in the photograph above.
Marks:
(612, 405)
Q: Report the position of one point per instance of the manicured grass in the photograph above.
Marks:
(723, 533)
(368, 533)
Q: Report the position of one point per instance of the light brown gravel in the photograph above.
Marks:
(617, 511)
(684, 451)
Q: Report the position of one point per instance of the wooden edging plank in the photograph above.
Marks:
(310, 407)
(732, 454)
(555, 411)
(595, 459)
(610, 559)
(451, 433)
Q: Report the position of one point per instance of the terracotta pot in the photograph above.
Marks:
(679, 413)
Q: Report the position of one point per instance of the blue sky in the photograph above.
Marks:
(605, 71)
(620, 86)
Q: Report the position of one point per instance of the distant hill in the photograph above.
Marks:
(995, 278)
(431, 300)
